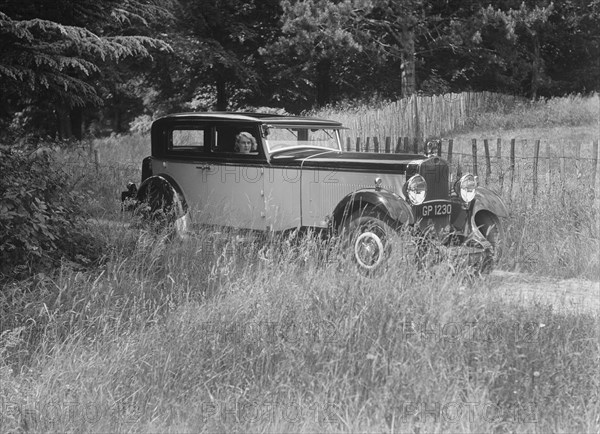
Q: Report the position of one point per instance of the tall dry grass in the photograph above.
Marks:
(224, 335)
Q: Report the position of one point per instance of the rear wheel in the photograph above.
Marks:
(162, 207)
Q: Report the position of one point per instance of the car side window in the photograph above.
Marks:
(239, 141)
(188, 139)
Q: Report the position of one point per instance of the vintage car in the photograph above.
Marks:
(294, 174)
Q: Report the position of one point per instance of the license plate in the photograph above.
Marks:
(436, 209)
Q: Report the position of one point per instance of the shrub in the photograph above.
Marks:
(40, 216)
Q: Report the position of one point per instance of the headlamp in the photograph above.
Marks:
(465, 188)
(415, 189)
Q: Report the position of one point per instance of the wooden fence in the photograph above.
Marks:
(494, 165)
(417, 116)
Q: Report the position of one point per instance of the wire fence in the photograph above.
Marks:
(497, 163)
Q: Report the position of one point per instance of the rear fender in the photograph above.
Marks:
(385, 201)
(171, 189)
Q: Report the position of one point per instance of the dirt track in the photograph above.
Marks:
(567, 295)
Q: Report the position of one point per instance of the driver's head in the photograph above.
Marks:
(245, 143)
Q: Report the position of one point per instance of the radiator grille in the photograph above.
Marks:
(435, 171)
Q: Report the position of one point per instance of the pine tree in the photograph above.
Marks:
(53, 67)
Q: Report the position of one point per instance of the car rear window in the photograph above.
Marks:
(189, 139)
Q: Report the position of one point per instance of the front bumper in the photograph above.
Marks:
(475, 253)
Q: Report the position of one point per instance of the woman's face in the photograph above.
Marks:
(245, 145)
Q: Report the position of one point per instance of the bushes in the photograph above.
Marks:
(40, 217)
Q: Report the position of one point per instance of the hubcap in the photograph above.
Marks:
(368, 250)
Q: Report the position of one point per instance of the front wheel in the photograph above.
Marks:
(491, 228)
(368, 239)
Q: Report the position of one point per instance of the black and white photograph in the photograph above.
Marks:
(299, 216)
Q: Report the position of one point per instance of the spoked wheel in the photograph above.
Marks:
(368, 239)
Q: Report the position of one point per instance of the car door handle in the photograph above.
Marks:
(203, 167)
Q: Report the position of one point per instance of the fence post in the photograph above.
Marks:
(488, 163)
(399, 145)
(348, 144)
(594, 164)
(388, 144)
(375, 144)
(368, 145)
(474, 152)
(358, 144)
(536, 157)
(499, 150)
(96, 163)
(548, 169)
(499, 163)
(406, 145)
(577, 158)
(512, 164)
(416, 145)
(450, 145)
(563, 176)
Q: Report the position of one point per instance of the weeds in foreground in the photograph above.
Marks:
(219, 334)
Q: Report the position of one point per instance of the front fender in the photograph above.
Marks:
(487, 200)
(390, 203)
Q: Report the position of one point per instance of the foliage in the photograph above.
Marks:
(218, 45)
(57, 64)
(97, 66)
(40, 215)
(317, 35)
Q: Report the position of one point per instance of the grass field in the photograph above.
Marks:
(217, 334)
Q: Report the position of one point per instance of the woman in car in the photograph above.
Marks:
(245, 143)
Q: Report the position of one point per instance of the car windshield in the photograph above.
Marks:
(279, 138)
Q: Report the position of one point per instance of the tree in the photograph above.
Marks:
(49, 68)
(316, 36)
(574, 47)
(523, 28)
(222, 38)
(394, 26)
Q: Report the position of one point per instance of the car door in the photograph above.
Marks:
(232, 183)
(187, 152)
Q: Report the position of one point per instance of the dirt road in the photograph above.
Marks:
(567, 295)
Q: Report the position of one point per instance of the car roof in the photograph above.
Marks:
(262, 118)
